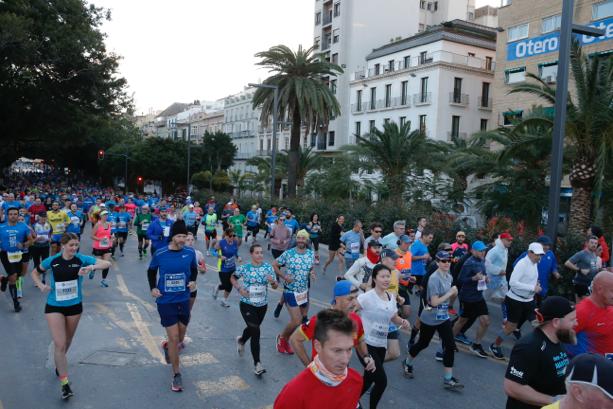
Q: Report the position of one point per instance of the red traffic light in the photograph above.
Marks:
(100, 154)
(139, 179)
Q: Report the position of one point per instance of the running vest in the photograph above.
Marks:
(105, 233)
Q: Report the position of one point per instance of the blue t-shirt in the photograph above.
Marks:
(64, 280)
(230, 252)
(88, 202)
(252, 218)
(299, 267)
(352, 241)
(122, 221)
(189, 217)
(75, 222)
(292, 225)
(418, 267)
(11, 235)
(255, 282)
(174, 270)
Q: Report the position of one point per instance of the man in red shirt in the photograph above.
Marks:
(595, 318)
(36, 208)
(327, 382)
(344, 300)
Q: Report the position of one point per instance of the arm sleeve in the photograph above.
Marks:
(281, 260)
(575, 257)
(522, 365)
(151, 277)
(239, 272)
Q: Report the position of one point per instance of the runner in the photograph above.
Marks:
(210, 229)
(351, 242)
(460, 247)
(299, 267)
(227, 248)
(403, 265)
(15, 238)
(171, 267)
(585, 264)
(237, 222)
(314, 228)
(388, 259)
(122, 219)
(280, 238)
(253, 288)
(378, 311)
(271, 218)
(142, 221)
(422, 222)
(64, 301)
(190, 217)
(42, 236)
(420, 256)
(547, 268)
(390, 241)
(435, 318)
(334, 241)
(76, 220)
(496, 261)
(159, 230)
(253, 223)
(327, 382)
(58, 220)
(359, 273)
(189, 242)
(102, 242)
(376, 230)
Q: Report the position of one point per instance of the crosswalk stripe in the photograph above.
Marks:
(224, 385)
(203, 358)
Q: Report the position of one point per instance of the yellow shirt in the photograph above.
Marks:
(393, 288)
(58, 221)
(555, 405)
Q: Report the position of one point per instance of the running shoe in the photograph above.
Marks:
(66, 391)
(463, 339)
(280, 345)
(145, 251)
(477, 349)
(92, 274)
(17, 306)
(288, 347)
(407, 369)
(517, 334)
(240, 347)
(3, 283)
(278, 309)
(177, 383)
(452, 383)
(104, 284)
(438, 356)
(258, 369)
(224, 303)
(496, 351)
(181, 346)
(215, 292)
(166, 354)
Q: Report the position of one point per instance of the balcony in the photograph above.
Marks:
(458, 99)
(327, 18)
(484, 104)
(359, 108)
(457, 135)
(325, 45)
(423, 98)
(263, 152)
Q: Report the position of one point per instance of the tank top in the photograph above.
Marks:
(106, 241)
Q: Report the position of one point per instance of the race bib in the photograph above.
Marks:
(230, 262)
(75, 221)
(121, 225)
(59, 228)
(174, 283)
(301, 298)
(481, 285)
(105, 242)
(609, 356)
(14, 256)
(378, 332)
(442, 312)
(144, 225)
(257, 294)
(66, 290)
(355, 248)
(166, 231)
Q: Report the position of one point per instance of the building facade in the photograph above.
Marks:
(528, 43)
(202, 122)
(438, 80)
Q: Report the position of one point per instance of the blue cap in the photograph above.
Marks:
(163, 208)
(479, 246)
(404, 238)
(341, 289)
(546, 240)
(443, 255)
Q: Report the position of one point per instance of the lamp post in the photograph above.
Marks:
(275, 110)
(559, 126)
(189, 137)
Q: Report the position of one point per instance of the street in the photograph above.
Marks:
(116, 361)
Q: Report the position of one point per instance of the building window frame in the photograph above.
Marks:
(602, 10)
(518, 32)
(551, 23)
(510, 79)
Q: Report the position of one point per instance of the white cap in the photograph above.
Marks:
(536, 248)
(191, 205)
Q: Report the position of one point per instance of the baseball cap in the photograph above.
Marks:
(191, 206)
(554, 307)
(592, 369)
(536, 248)
(102, 213)
(404, 239)
(389, 253)
(506, 235)
(341, 289)
(479, 246)
(443, 255)
(374, 243)
(544, 240)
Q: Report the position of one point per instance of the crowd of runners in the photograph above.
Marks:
(386, 286)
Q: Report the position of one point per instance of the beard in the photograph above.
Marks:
(301, 246)
(567, 336)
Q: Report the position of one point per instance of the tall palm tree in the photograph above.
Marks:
(307, 160)
(238, 180)
(589, 128)
(304, 96)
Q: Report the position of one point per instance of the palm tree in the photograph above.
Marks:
(395, 151)
(304, 95)
(589, 128)
(307, 160)
(238, 180)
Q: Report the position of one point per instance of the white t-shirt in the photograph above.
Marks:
(523, 280)
(376, 316)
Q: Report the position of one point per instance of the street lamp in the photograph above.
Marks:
(559, 125)
(275, 109)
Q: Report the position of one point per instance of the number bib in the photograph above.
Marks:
(230, 262)
(355, 248)
(14, 256)
(59, 228)
(121, 225)
(75, 221)
(379, 332)
(257, 294)
(481, 285)
(166, 231)
(442, 312)
(105, 242)
(301, 298)
(66, 290)
(174, 283)
(609, 356)
(144, 225)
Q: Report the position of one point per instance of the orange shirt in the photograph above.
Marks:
(403, 263)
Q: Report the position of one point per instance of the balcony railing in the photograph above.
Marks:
(423, 98)
(459, 99)
(325, 45)
(359, 108)
(484, 104)
(263, 152)
(457, 135)
(327, 18)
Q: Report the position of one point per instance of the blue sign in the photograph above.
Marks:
(549, 43)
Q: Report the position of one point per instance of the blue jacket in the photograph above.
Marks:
(471, 267)
(157, 235)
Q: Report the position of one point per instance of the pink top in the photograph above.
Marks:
(457, 245)
(105, 235)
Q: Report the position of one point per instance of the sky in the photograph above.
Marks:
(184, 50)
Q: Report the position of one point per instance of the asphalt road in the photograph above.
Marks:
(116, 361)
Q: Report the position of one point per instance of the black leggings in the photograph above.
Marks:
(39, 254)
(276, 253)
(445, 333)
(253, 317)
(225, 283)
(378, 377)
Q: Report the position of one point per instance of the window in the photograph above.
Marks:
(371, 126)
(423, 57)
(335, 35)
(403, 120)
(404, 90)
(422, 4)
(509, 117)
(286, 142)
(406, 63)
(337, 12)
(316, 42)
(386, 120)
(471, 55)
(335, 58)
(358, 128)
(485, 95)
(333, 86)
(515, 75)
(423, 93)
(318, 18)
(358, 98)
(517, 32)
(421, 27)
(435, 5)
(429, 6)
(390, 65)
(550, 24)
(388, 95)
(602, 10)
(548, 72)
(488, 63)
(422, 123)
(373, 98)
(457, 90)
(313, 140)
(377, 69)
(330, 138)
(483, 125)
(268, 144)
(455, 126)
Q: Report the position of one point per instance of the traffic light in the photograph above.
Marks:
(139, 180)
(100, 154)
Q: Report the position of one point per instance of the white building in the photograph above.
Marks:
(439, 80)
(347, 30)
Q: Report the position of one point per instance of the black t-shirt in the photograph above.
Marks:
(539, 363)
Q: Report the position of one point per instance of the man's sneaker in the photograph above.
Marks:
(166, 354)
(3, 283)
(278, 309)
(517, 334)
(463, 339)
(280, 345)
(438, 356)
(240, 347)
(288, 347)
(66, 391)
(17, 306)
(258, 369)
(92, 274)
(496, 351)
(145, 251)
(177, 383)
(215, 292)
(407, 369)
(104, 284)
(223, 303)
(452, 383)
(477, 349)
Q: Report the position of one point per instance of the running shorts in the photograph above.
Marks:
(121, 235)
(56, 238)
(519, 312)
(65, 311)
(173, 313)
(290, 299)
(210, 234)
(473, 309)
(101, 252)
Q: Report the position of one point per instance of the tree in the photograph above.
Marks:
(307, 161)
(304, 96)
(216, 151)
(333, 179)
(589, 128)
(238, 180)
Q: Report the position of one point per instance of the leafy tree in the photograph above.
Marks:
(334, 178)
(216, 152)
(307, 161)
(304, 97)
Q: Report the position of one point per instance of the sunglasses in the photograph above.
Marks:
(443, 261)
(377, 231)
(461, 235)
(450, 249)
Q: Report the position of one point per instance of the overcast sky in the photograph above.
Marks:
(201, 49)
